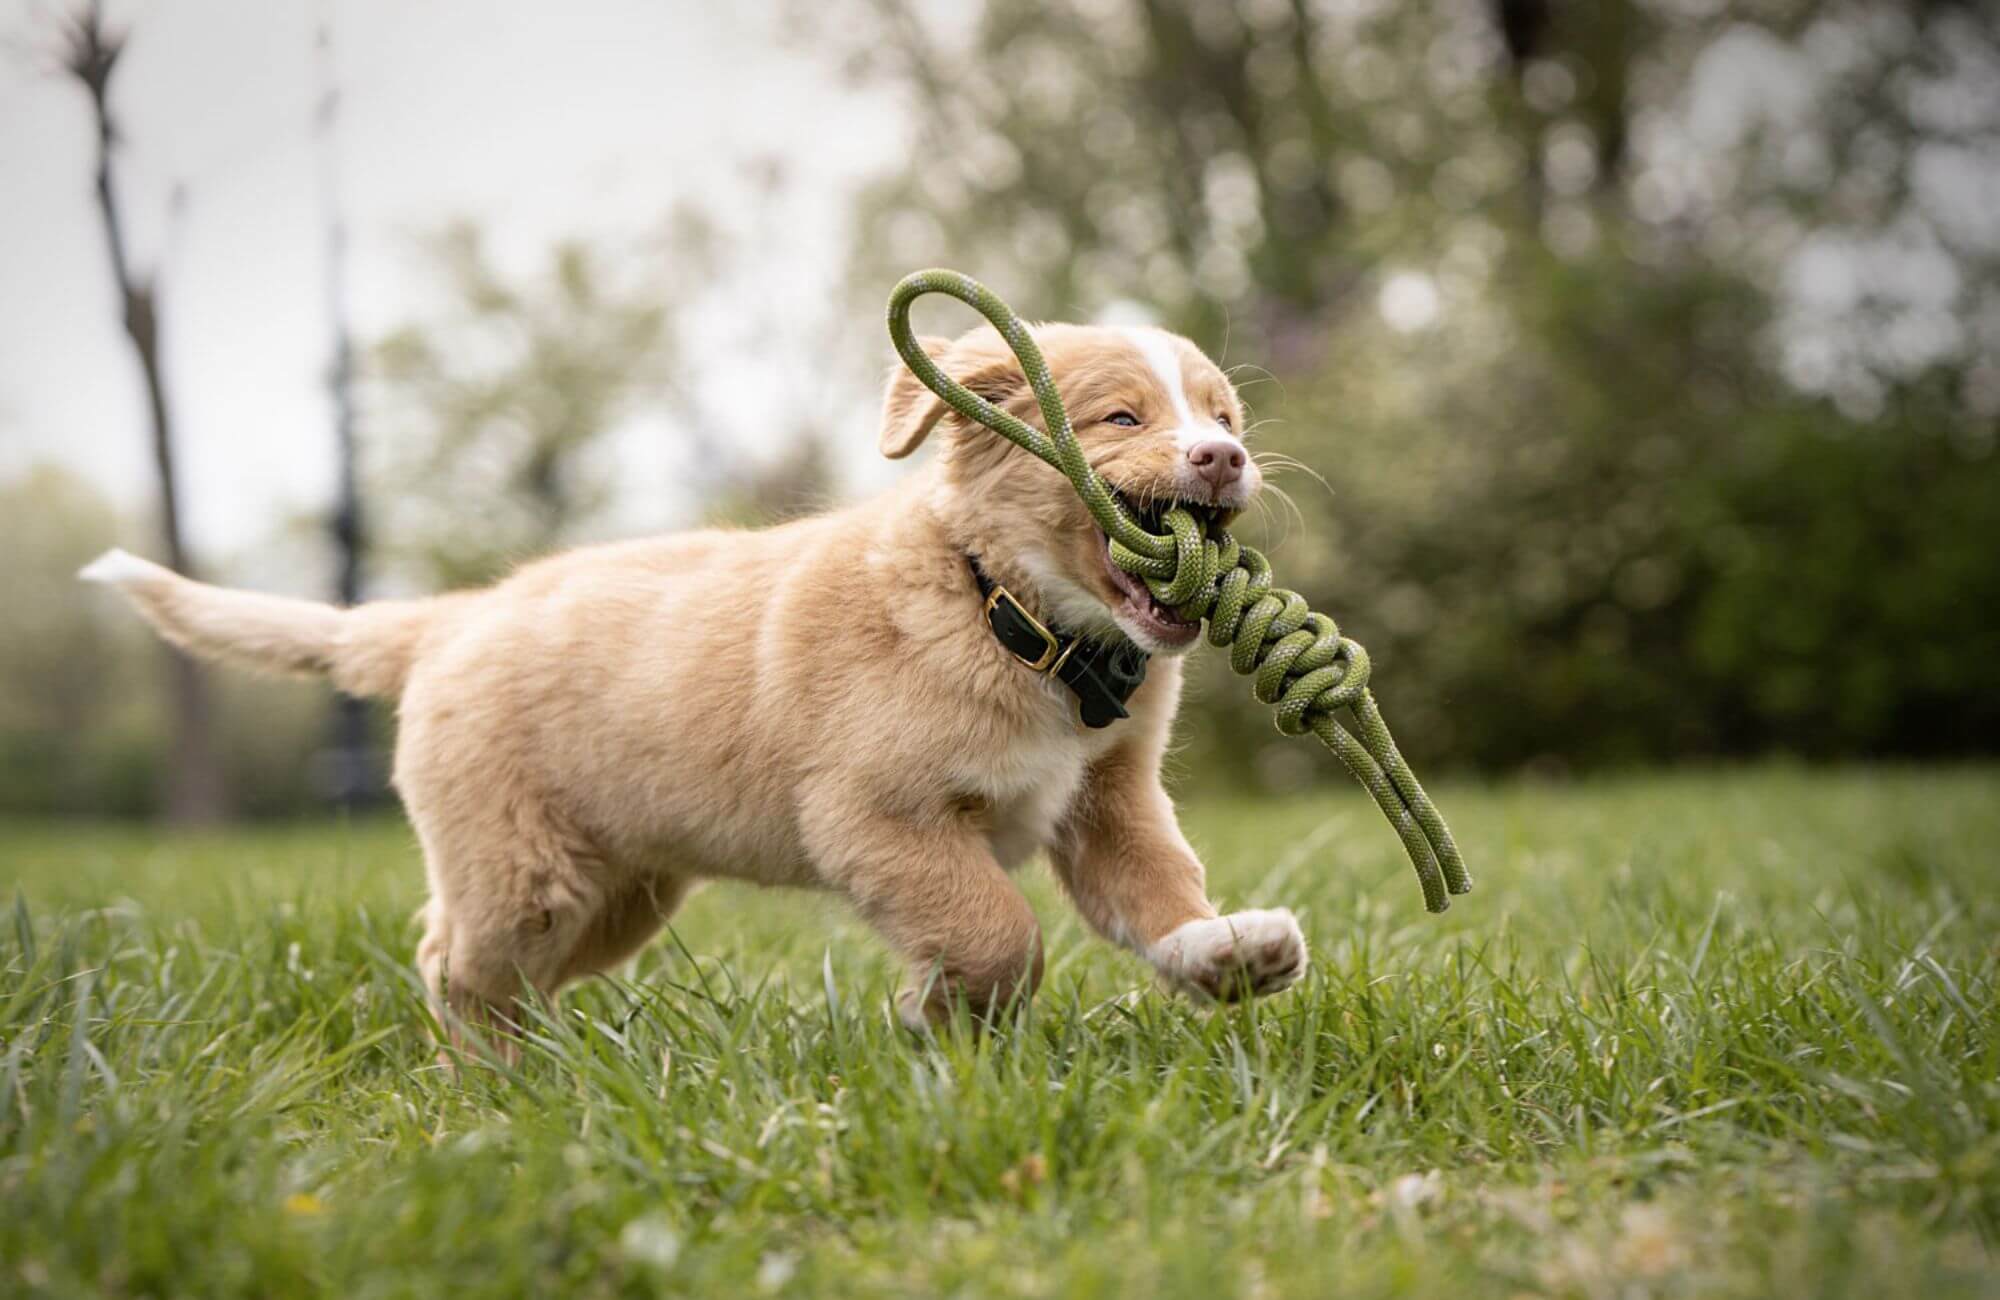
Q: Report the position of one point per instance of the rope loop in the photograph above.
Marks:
(1302, 665)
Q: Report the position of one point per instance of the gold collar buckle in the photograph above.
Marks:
(1053, 650)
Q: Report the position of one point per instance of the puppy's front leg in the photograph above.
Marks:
(1125, 863)
(927, 880)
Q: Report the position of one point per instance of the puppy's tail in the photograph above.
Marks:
(366, 650)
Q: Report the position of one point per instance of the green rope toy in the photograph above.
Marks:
(1303, 665)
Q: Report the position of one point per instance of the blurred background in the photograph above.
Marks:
(1633, 366)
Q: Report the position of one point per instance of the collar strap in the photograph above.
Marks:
(1101, 674)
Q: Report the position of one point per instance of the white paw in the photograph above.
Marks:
(1258, 951)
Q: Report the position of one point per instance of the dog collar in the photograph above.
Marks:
(1101, 674)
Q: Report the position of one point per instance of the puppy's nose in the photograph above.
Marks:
(1218, 460)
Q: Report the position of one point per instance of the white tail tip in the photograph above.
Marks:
(116, 567)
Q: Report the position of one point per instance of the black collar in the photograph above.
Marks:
(1102, 674)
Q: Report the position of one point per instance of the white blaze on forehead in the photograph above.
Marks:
(1162, 352)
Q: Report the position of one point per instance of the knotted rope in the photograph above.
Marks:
(1302, 664)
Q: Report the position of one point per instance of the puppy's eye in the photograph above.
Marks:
(1123, 419)
(1223, 420)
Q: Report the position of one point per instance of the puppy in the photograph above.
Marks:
(827, 704)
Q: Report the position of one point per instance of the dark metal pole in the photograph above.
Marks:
(353, 768)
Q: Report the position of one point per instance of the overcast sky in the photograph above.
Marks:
(539, 120)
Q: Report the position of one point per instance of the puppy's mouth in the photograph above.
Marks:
(1139, 610)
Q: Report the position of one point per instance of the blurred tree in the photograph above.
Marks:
(1256, 163)
(1596, 532)
(78, 725)
(82, 727)
(486, 418)
(799, 481)
(91, 52)
(1545, 292)
(771, 322)
(488, 423)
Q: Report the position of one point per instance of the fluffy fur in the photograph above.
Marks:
(818, 704)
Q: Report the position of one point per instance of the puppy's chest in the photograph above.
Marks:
(1028, 783)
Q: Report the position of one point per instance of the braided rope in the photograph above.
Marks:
(1300, 662)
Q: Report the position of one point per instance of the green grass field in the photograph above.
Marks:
(1725, 1032)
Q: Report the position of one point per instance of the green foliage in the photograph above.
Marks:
(483, 422)
(69, 738)
(1851, 586)
(1598, 535)
(491, 423)
(83, 727)
(1206, 161)
(1606, 491)
(1721, 1034)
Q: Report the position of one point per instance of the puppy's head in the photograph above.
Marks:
(1155, 417)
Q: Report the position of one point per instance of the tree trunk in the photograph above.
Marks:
(195, 787)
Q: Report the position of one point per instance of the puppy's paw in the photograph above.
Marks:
(1245, 953)
(915, 1012)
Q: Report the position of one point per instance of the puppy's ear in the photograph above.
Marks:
(909, 410)
(979, 360)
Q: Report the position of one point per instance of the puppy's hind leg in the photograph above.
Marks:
(624, 922)
(511, 908)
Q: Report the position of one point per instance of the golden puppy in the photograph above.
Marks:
(829, 703)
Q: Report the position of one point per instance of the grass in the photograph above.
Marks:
(1707, 1033)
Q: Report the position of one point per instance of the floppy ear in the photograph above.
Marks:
(978, 360)
(909, 410)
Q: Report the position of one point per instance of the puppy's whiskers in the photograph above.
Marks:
(1276, 462)
(1264, 377)
(1276, 523)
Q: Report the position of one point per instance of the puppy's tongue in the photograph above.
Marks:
(1132, 585)
(1161, 621)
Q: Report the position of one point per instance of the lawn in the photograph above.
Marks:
(1696, 1033)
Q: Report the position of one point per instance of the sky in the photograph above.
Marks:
(540, 121)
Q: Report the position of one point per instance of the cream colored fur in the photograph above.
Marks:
(818, 704)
